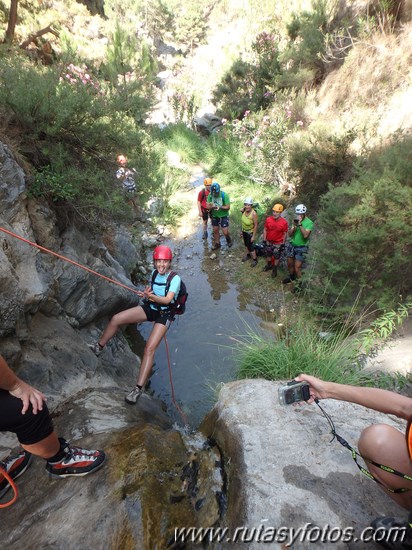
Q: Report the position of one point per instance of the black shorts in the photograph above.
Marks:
(206, 214)
(164, 317)
(30, 428)
(247, 239)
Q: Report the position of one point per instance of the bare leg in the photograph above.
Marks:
(291, 266)
(216, 235)
(152, 344)
(45, 448)
(298, 268)
(387, 446)
(132, 315)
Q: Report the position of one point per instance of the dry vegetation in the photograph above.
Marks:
(374, 85)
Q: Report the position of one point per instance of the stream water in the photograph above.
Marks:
(201, 342)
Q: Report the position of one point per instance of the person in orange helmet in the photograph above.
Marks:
(275, 232)
(204, 212)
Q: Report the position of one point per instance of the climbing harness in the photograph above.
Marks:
(13, 486)
(356, 454)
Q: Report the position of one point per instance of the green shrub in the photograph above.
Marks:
(363, 244)
(307, 31)
(182, 140)
(301, 350)
(320, 159)
(225, 159)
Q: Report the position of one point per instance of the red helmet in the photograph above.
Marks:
(162, 253)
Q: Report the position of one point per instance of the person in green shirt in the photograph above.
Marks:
(297, 249)
(218, 203)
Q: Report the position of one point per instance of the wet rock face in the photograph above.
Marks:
(136, 500)
(33, 281)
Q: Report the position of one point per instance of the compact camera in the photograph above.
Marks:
(294, 392)
(296, 221)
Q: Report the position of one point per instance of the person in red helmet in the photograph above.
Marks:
(127, 177)
(156, 307)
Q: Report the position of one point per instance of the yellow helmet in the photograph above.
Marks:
(278, 208)
(207, 181)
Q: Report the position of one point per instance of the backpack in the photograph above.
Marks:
(204, 195)
(179, 305)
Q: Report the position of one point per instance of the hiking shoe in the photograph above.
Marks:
(254, 263)
(204, 235)
(96, 348)
(216, 246)
(77, 462)
(394, 534)
(274, 271)
(133, 396)
(246, 257)
(14, 466)
(267, 267)
(288, 279)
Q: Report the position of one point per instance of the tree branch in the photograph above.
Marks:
(35, 35)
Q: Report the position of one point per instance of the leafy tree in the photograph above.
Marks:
(307, 33)
(320, 159)
(363, 244)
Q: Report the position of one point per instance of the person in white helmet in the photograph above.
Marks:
(249, 228)
(297, 248)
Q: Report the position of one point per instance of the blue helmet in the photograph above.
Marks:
(215, 189)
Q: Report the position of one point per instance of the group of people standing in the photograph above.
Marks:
(278, 235)
(213, 203)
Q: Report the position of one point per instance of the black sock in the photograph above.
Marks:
(61, 453)
(140, 387)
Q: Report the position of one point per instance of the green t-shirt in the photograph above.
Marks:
(298, 239)
(220, 200)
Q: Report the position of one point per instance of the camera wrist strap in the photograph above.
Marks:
(356, 454)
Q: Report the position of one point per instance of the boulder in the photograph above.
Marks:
(283, 470)
(207, 123)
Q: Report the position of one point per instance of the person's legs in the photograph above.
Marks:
(298, 268)
(291, 269)
(158, 332)
(387, 446)
(205, 217)
(132, 315)
(216, 233)
(224, 224)
(45, 448)
(246, 241)
(291, 266)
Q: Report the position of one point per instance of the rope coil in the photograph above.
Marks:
(13, 486)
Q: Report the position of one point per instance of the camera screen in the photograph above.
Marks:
(293, 395)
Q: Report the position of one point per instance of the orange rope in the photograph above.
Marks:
(171, 384)
(13, 486)
(43, 249)
(68, 260)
